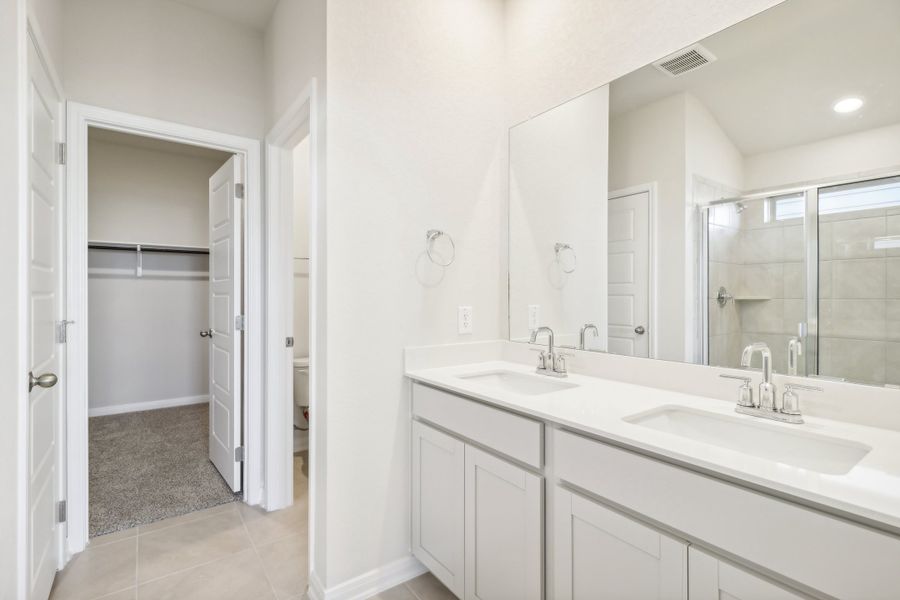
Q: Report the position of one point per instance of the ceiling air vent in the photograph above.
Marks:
(684, 61)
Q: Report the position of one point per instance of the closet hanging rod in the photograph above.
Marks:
(147, 247)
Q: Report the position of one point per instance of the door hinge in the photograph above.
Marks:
(239, 454)
(61, 153)
(239, 323)
(288, 342)
(239, 190)
(62, 329)
(61, 510)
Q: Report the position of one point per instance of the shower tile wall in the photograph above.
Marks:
(761, 265)
(771, 295)
(859, 288)
(725, 265)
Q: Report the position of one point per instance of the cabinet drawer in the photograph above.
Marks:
(823, 552)
(517, 437)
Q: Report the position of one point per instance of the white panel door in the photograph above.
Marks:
(600, 553)
(629, 275)
(44, 302)
(504, 530)
(712, 579)
(438, 469)
(225, 303)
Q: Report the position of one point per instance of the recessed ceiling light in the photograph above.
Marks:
(848, 105)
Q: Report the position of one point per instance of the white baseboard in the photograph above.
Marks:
(368, 584)
(117, 409)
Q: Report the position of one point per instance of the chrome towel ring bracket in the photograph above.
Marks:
(564, 252)
(431, 236)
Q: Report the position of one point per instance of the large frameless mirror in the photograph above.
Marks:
(743, 189)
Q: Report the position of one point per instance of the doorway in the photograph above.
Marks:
(162, 414)
(161, 288)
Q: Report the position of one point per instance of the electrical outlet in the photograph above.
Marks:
(464, 319)
(534, 316)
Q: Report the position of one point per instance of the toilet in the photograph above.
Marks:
(301, 403)
(301, 384)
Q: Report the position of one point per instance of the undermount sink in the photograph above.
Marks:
(519, 383)
(815, 452)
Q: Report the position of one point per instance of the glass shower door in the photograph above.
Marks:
(756, 278)
(859, 281)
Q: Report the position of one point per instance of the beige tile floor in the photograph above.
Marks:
(228, 552)
(424, 587)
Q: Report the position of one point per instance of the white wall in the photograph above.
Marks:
(649, 145)
(163, 59)
(46, 18)
(847, 155)
(558, 194)
(710, 152)
(144, 342)
(416, 139)
(294, 52)
(148, 196)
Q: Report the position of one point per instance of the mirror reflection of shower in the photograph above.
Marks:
(832, 320)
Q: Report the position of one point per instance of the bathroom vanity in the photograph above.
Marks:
(729, 200)
(528, 486)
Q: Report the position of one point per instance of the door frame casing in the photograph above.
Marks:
(301, 120)
(652, 253)
(79, 118)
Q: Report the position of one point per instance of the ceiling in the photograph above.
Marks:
(778, 74)
(254, 14)
(149, 143)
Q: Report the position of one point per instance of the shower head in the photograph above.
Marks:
(739, 207)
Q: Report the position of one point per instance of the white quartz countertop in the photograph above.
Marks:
(598, 407)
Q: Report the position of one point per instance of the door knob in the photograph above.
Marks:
(639, 330)
(47, 380)
(208, 333)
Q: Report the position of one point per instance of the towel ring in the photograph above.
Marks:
(559, 248)
(430, 236)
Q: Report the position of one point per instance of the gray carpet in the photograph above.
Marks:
(147, 466)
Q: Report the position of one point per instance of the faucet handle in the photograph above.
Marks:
(542, 357)
(790, 402)
(746, 392)
(560, 364)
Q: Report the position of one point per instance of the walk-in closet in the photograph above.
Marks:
(149, 330)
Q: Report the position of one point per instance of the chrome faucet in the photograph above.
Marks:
(550, 362)
(765, 406)
(766, 388)
(582, 337)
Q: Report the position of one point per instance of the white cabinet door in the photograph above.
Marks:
(504, 530)
(438, 468)
(600, 553)
(712, 579)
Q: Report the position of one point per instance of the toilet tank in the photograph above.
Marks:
(301, 382)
